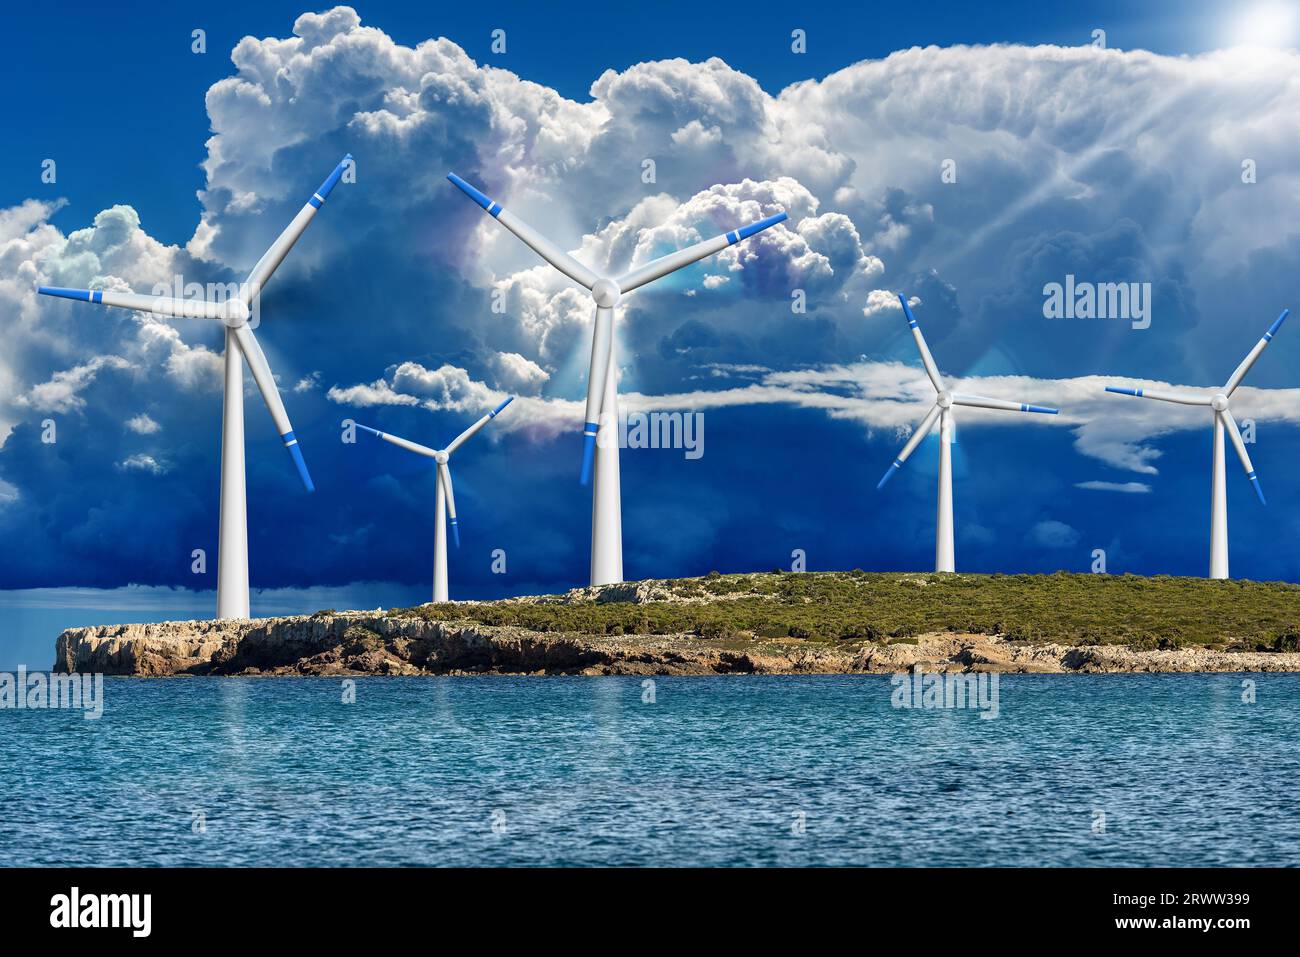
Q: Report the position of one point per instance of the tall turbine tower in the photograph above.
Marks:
(602, 385)
(444, 498)
(1223, 421)
(943, 412)
(232, 537)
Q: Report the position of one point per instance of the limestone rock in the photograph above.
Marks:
(373, 643)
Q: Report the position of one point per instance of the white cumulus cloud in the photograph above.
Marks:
(142, 424)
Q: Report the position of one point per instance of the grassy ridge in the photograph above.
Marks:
(1157, 612)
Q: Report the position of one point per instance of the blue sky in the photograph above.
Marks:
(1114, 166)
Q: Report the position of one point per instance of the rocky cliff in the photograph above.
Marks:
(378, 643)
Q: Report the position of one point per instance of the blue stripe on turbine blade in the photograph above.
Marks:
(475, 195)
(295, 452)
(83, 294)
(907, 311)
(733, 237)
(1039, 408)
(367, 428)
(588, 451)
(744, 232)
(1120, 390)
(455, 532)
(888, 475)
(330, 182)
(1259, 490)
(498, 409)
(1277, 324)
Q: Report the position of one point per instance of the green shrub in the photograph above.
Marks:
(1288, 639)
(1081, 609)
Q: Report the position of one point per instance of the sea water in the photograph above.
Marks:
(1074, 770)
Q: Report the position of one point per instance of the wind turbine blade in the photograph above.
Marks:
(927, 360)
(1235, 379)
(982, 402)
(1182, 398)
(684, 257)
(534, 240)
(921, 432)
(602, 340)
(257, 364)
(1234, 433)
(444, 476)
(280, 248)
(400, 442)
(158, 305)
(468, 434)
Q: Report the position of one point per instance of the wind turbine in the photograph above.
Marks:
(445, 499)
(942, 410)
(234, 312)
(602, 385)
(1223, 420)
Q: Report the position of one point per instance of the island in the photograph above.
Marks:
(761, 623)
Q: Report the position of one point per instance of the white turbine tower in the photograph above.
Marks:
(445, 497)
(234, 312)
(602, 386)
(943, 412)
(1223, 420)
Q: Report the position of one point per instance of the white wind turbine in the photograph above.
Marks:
(943, 412)
(602, 386)
(234, 312)
(445, 498)
(1223, 420)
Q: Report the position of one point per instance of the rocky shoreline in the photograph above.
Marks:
(380, 643)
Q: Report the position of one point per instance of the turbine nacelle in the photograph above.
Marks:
(606, 293)
(235, 312)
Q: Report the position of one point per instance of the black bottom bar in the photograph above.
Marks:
(214, 906)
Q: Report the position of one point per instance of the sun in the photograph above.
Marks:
(1271, 23)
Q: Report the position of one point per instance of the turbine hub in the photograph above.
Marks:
(945, 399)
(606, 293)
(441, 457)
(236, 313)
(1219, 403)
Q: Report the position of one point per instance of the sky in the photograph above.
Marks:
(965, 157)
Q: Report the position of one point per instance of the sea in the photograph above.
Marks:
(739, 771)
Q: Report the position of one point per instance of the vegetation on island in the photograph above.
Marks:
(1160, 612)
